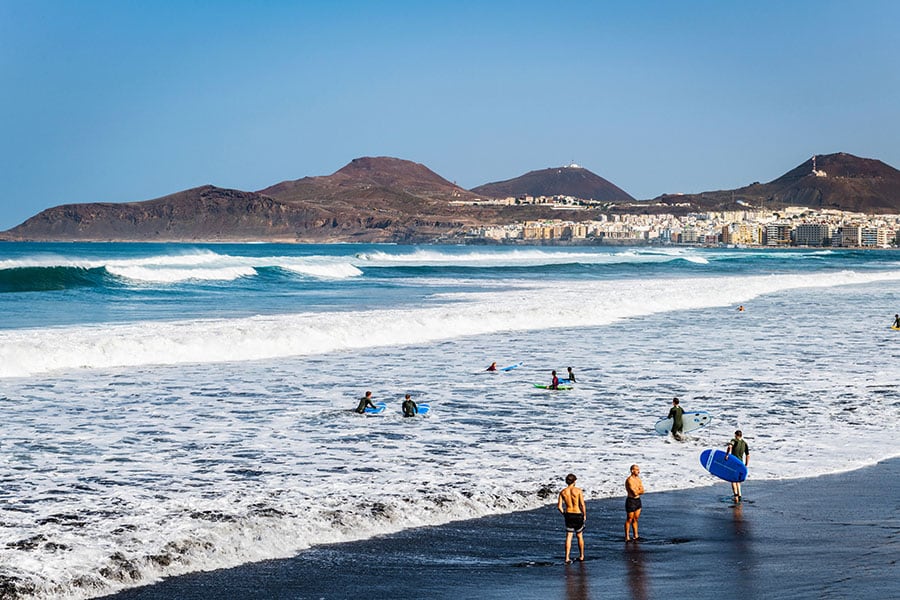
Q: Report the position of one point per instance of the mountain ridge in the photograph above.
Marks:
(386, 199)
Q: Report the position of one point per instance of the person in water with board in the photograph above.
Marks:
(738, 447)
(896, 324)
(571, 375)
(676, 413)
(571, 504)
(364, 403)
(493, 367)
(410, 408)
(740, 308)
(634, 488)
(554, 383)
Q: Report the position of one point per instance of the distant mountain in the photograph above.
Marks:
(571, 180)
(382, 199)
(371, 199)
(826, 181)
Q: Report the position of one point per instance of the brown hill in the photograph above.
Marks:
(561, 181)
(831, 181)
(370, 199)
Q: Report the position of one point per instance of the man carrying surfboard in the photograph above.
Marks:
(571, 504)
(634, 488)
(364, 403)
(676, 413)
(738, 447)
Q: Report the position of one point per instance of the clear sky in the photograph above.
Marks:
(124, 101)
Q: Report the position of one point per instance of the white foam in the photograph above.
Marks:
(32, 352)
(158, 275)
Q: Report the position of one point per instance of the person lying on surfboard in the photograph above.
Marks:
(493, 367)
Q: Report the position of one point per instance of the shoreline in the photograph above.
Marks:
(827, 536)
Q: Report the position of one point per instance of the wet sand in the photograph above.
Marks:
(835, 536)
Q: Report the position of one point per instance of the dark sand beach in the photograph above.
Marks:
(835, 536)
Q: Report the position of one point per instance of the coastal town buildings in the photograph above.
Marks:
(788, 227)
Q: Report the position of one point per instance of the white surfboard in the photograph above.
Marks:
(692, 420)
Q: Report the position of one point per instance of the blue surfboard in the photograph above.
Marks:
(423, 409)
(511, 367)
(724, 466)
(379, 408)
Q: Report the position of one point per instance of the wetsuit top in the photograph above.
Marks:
(491, 368)
(571, 377)
(675, 413)
(409, 408)
(363, 403)
(739, 448)
(897, 322)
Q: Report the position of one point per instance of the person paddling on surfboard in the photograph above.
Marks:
(571, 504)
(410, 409)
(676, 413)
(738, 447)
(554, 383)
(493, 367)
(364, 403)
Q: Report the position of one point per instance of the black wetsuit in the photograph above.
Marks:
(410, 409)
(676, 413)
(364, 402)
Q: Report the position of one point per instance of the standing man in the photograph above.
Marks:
(634, 488)
(364, 403)
(739, 448)
(410, 408)
(571, 505)
(676, 413)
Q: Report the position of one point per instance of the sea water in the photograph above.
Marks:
(171, 408)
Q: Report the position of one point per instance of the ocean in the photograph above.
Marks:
(172, 408)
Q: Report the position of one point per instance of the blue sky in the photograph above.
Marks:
(127, 101)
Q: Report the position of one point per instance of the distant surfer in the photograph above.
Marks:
(634, 488)
(571, 375)
(410, 408)
(896, 324)
(493, 367)
(364, 403)
(554, 383)
(741, 308)
(676, 413)
(738, 447)
(571, 504)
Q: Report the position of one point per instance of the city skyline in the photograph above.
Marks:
(116, 103)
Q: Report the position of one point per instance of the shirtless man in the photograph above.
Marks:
(634, 487)
(571, 505)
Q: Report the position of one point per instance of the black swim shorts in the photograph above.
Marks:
(632, 504)
(574, 522)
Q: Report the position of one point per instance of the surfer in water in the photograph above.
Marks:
(410, 408)
(493, 367)
(738, 447)
(571, 504)
(634, 488)
(554, 383)
(571, 375)
(896, 324)
(741, 308)
(676, 413)
(364, 403)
